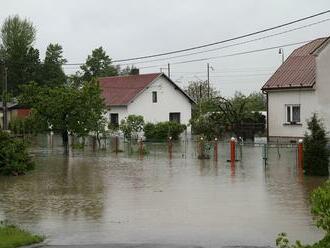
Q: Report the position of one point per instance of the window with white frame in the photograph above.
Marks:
(292, 113)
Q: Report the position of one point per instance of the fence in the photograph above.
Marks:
(188, 148)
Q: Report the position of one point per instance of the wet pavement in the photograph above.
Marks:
(106, 198)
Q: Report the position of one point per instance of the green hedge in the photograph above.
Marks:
(162, 130)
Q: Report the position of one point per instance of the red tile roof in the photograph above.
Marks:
(298, 70)
(120, 90)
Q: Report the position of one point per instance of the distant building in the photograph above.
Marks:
(154, 96)
(299, 88)
(14, 110)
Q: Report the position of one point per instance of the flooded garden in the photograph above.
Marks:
(102, 196)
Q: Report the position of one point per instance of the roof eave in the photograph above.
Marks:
(288, 88)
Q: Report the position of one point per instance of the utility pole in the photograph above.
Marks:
(208, 80)
(168, 70)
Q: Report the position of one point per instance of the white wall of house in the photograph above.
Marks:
(310, 101)
(323, 85)
(169, 100)
(120, 110)
(278, 100)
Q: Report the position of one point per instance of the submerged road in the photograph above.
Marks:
(136, 246)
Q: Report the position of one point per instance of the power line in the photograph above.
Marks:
(229, 55)
(232, 45)
(224, 41)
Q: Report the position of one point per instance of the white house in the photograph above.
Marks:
(299, 88)
(154, 96)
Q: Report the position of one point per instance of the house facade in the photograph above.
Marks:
(14, 111)
(154, 96)
(298, 89)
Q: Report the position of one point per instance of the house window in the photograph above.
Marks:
(154, 96)
(114, 119)
(292, 113)
(175, 117)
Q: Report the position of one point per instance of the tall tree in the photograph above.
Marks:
(21, 59)
(52, 72)
(98, 64)
(198, 90)
(66, 110)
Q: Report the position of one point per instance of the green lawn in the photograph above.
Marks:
(11, 237)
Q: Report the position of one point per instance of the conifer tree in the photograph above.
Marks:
(316, 152)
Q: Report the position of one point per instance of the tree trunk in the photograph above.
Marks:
(65, 139)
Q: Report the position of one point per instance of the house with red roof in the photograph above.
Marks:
(299, 88)
(154, 96)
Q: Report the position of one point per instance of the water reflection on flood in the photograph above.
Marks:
(100, 197)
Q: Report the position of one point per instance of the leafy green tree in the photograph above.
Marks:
(66, 110)
(21, 59)
(316, 153)
(52, 72)
(198, 90)
(129, 70)
(131, 126)
(98, 64)
(256, 101)
(14, 158)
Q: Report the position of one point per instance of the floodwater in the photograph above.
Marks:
(102, 197)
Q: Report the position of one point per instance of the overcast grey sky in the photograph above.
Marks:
(129, 28)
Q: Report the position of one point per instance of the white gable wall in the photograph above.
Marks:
(277, 112)
(323, 85)
(169, 100)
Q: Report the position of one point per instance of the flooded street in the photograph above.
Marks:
(100, 197)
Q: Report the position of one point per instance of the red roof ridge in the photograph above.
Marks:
(135, 75)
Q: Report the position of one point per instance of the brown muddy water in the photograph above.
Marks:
(100, 197)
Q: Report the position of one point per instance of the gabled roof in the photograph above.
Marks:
(121, 90)
(298, 70)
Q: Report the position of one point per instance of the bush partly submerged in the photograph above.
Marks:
(162, 130)
(14, 158)
(320, 201)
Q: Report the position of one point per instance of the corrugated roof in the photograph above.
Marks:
(298, 70)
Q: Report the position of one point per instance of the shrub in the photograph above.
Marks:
(163, 130)
(132, 125)
(14, 158)
(320, 201)
(316, 153)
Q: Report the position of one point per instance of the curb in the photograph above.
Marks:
(42, 244)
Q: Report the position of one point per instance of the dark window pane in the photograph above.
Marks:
(175, 117)
(296, 113)
(154, 96)
(288, 113)
(114, 119)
